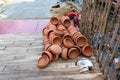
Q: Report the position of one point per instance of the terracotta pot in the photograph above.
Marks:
(71, 27)
(48, 32)
(68, 42)
(45, 31)
(50, 56)
(43, 61)
(64, 53)
(87, 50)
(73, 31)
(54, 20)
(55, 57)
(46, 46)
(77, 47)
(59, 33)
(80, 40)
(55, 39)
(52, 27)
(66, 21)
(45, 40)
(61, 28)
(67, 35)
(55, 49)
(73, 53)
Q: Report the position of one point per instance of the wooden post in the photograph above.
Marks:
(112, 57)
(104, 28)
(117, 68)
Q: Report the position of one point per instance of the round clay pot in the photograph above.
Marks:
(45, 31)
(66, 21)
(71, 27)
(55, 57)
(54, 20)
(87, 50)
(73, 53)
(59, 33)
(47, 45)
(61, 28)
(43, 61)
(67, 35)
(73, 31)
(55, 39)
(79, 49)
(52, 27)
(48, 32)
(64, 53)
(68, 42)
(55, 49)
(45, 40)
(48, 54)
(80, 40)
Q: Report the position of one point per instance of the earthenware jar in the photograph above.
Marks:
(52, 27)
(54, 20)
(59, 33)
(65, 21)
(55, 39)
(43, 61)
(61, 28)
(47, 45)
(55, 49)
(50, 56)
(64, 53)
(73, 31)
(55, 57)
(67, 35)
(68, 42)
(80, 40)
(87, 50)
(73, 53)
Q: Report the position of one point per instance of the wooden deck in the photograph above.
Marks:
(19, 54)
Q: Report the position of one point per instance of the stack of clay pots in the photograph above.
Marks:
(62, 39)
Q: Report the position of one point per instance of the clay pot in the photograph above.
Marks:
(80, 40)
(71, 27)
(61, 28)
(48, 32)
(59, 33)
(55, 57)
(52, 27)
(45, 40)
(67, 35)
(73, 31)
(68, 42)
(50, 56)
(87, 50)
(43, 61)
(73, 53)
(45, 31)
(46, 46)
(55, 39)
(66, 21)
(54, 20)
(77, 47)
(55, 49)
(64, 53)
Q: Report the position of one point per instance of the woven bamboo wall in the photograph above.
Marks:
(101, 24)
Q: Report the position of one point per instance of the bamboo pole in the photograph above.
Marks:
(112, 57)
(117, 68)
(110, 30)
(114, 34)
(104, 28)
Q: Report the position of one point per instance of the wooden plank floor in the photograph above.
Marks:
(20, 52)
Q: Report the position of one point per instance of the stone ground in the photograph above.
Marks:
(19, 54)
(26, 9)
